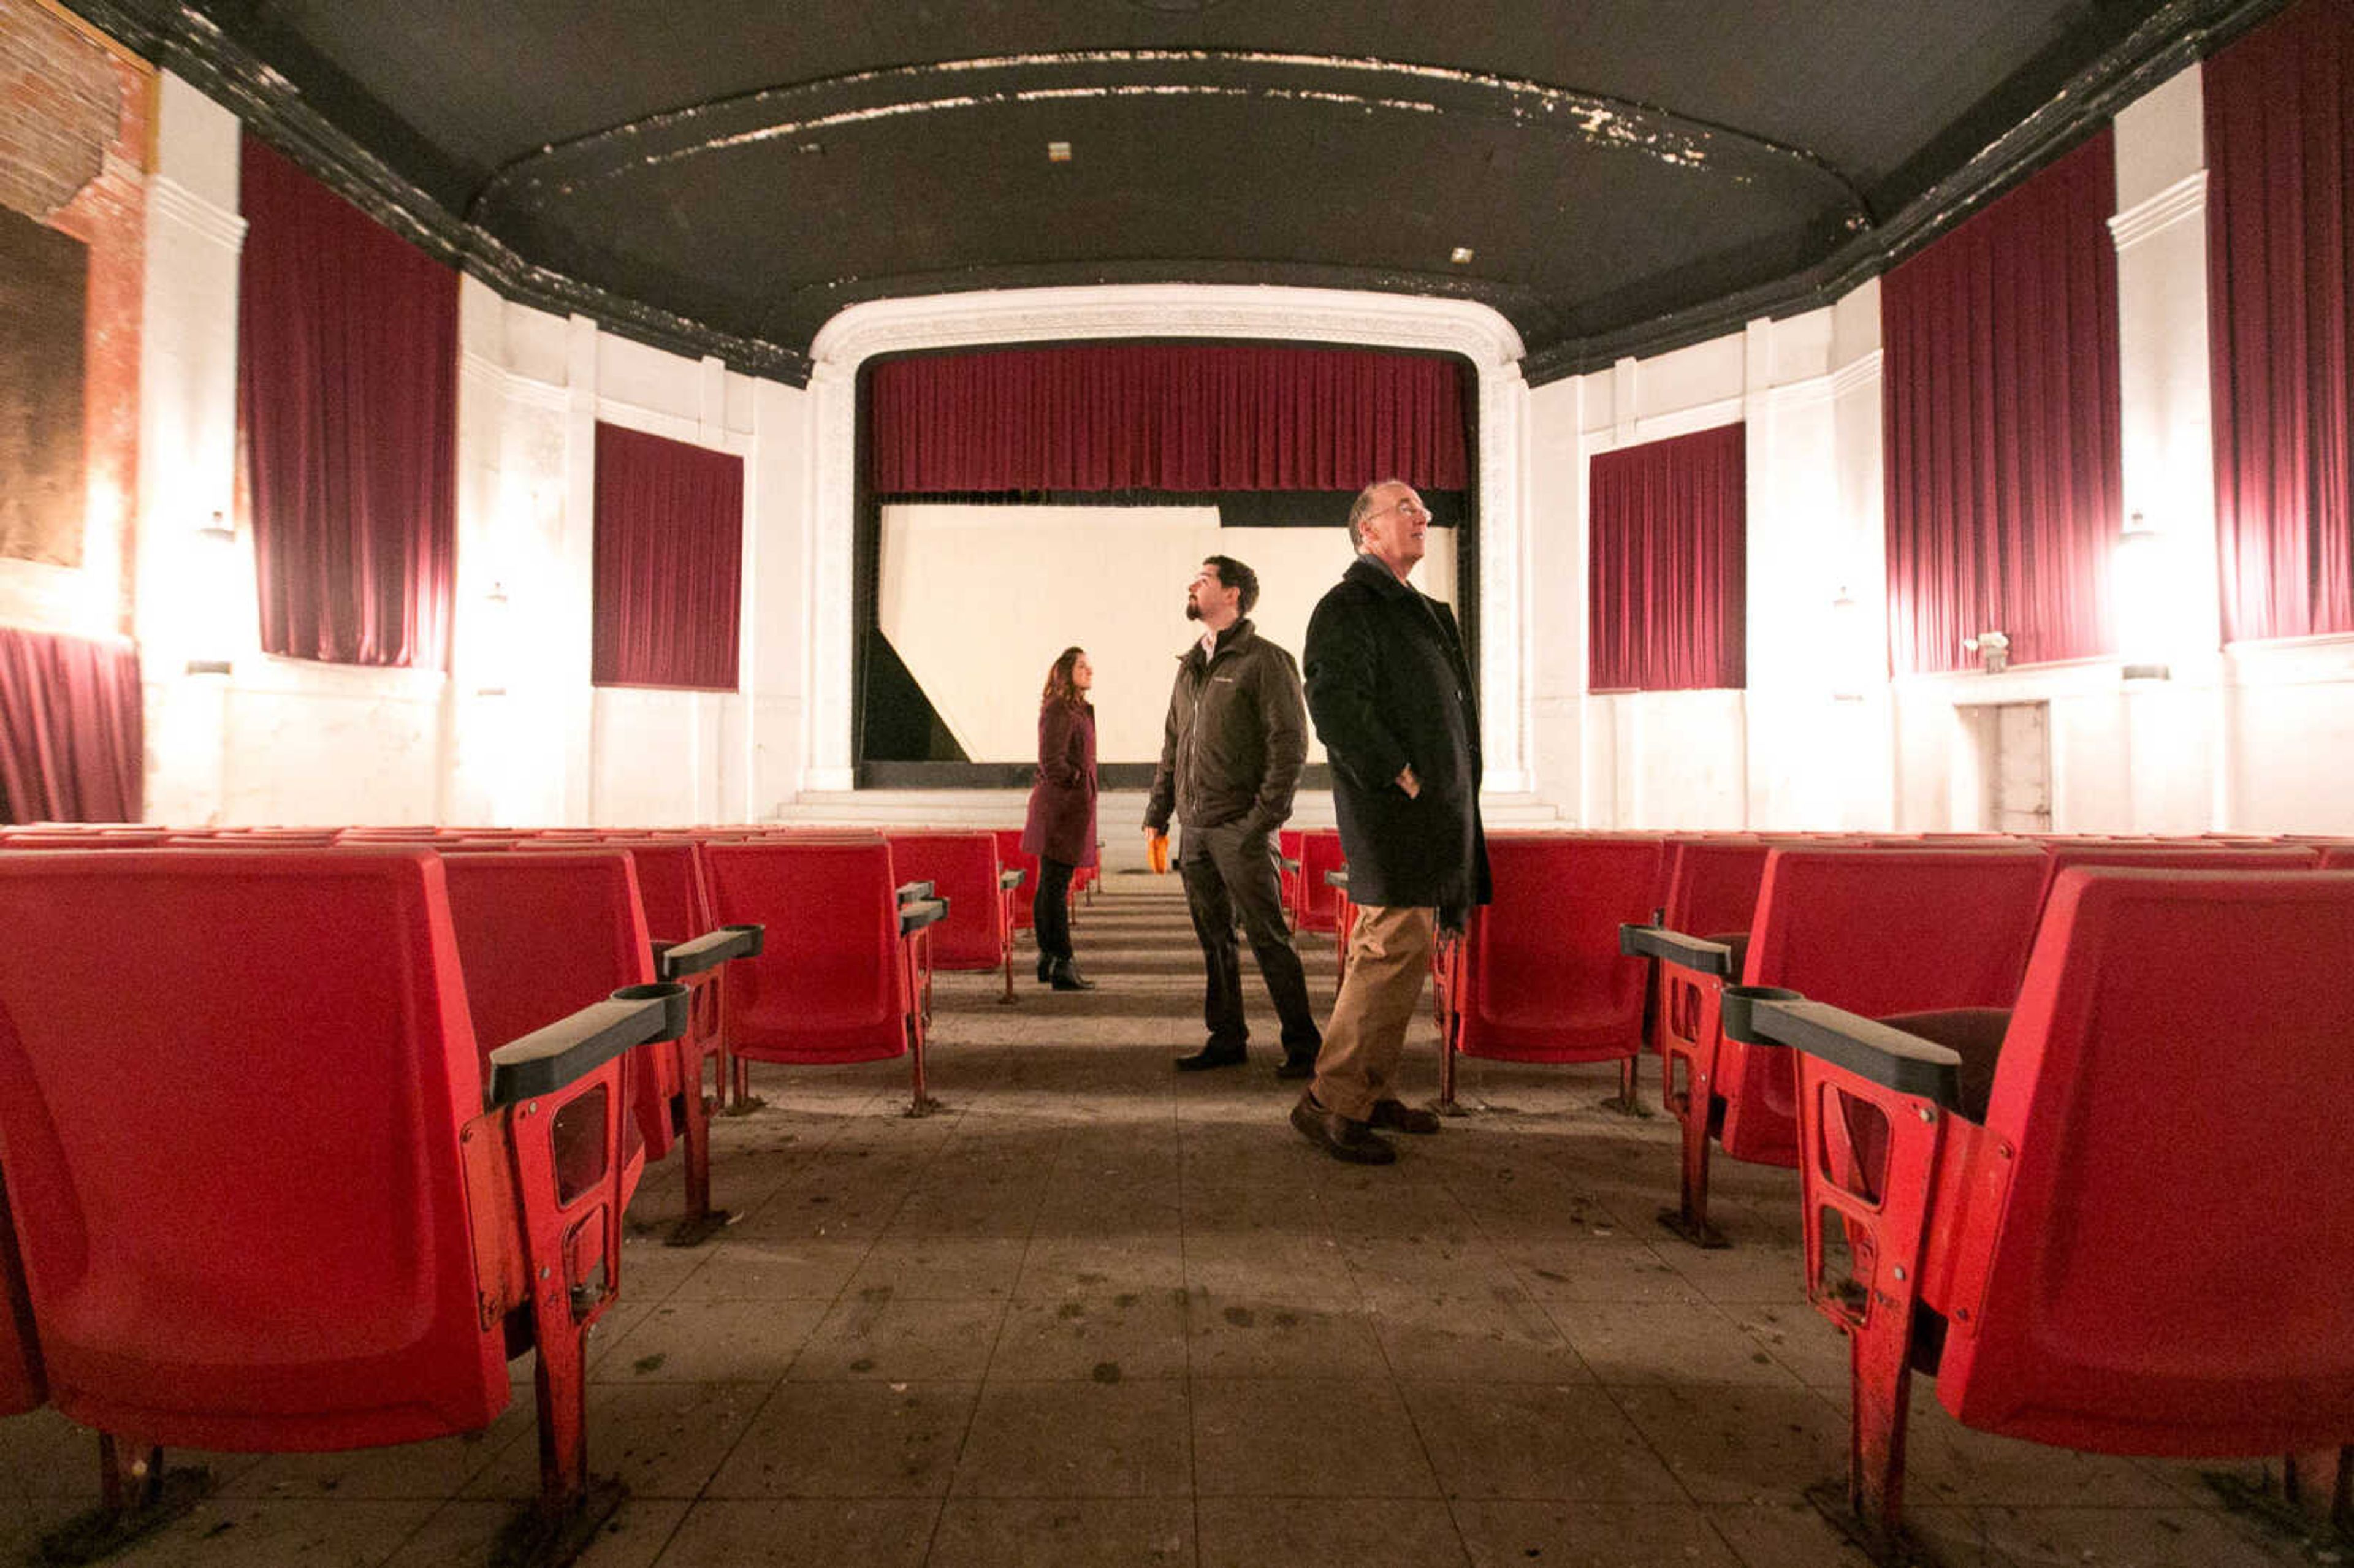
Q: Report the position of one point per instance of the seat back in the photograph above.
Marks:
(2059, 857)
(543, 933)
(22, 1386)
(1876, 931)
(962, 868)
(670, 888)
(1712, 889)
(1541, 977)
(1319, 852)
(1013, 858)
(2338, 857)
(833, 983)
(2163, 1270)
(231, 1105)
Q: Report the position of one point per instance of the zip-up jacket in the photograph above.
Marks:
(1235, 739)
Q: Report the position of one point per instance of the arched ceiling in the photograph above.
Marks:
(1612, 176)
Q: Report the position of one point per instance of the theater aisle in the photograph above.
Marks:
(1096, 1312)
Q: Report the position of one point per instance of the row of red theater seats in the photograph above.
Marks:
(2033, 1055)
(486, 938)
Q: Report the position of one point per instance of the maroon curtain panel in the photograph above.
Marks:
(2280, 120)
(72, 733)
(347, 381)
(1136, 415)
(1668, 564)
(2000, 415)
(670, 562)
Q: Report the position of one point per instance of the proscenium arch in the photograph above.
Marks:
(1475, 332)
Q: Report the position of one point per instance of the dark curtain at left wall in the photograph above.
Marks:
(347, 383)
(72, 735)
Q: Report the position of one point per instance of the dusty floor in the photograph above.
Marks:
(1096, 1312)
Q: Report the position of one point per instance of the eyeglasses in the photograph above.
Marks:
(1404, 504)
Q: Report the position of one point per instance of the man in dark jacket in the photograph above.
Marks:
(1391, 693)
(1230, 757)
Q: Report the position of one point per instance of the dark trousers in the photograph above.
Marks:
(1050, 906)
(1229, 873)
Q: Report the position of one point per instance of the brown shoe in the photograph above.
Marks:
(1397, 1116)
(1338, 1135)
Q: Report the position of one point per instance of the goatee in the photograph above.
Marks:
(1192, 610)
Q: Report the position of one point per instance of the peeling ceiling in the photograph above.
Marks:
(1622, 174)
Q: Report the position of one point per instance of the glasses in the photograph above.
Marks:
(1407, 505)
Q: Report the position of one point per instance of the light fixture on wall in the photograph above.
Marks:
(211, 578)
(2144, 586)
(1993, 651)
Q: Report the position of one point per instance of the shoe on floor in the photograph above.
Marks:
(1046, 967)
(1210, 1057)
(1300, 1065)
(1397, 1116)
(1338, 1135)
(1065, 976)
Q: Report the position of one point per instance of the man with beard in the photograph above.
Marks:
(1230, 757)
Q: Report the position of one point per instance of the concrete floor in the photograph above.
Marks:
(1096, 1312)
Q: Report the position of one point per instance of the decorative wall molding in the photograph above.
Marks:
(1858, 375)
(2184, 201)
(1165, 311)
(170, 201)
(523, 390)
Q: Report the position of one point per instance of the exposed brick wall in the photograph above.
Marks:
(73, 145)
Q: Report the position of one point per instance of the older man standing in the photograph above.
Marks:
(1230, 759)
(1390, 691)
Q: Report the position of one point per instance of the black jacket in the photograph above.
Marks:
(1388, 685)
(1235, 739)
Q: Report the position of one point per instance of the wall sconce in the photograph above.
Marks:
(2145, 586)
(1993, 650)
(212, 580)
(496, 642)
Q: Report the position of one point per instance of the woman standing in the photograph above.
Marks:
(1061, 830)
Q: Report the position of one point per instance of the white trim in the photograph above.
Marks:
(169, 200)
(2184, 201)
(685, 429)
(1857, 374)
(1163, 311)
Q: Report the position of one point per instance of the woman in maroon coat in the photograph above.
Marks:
(1061, 830)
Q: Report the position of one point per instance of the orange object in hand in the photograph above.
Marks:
(1156, 852)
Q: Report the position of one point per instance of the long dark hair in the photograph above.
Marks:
(1060, 688)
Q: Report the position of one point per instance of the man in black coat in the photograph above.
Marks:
(1390, 690)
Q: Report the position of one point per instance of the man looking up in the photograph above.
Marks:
(1391, 691)
(1230, 757)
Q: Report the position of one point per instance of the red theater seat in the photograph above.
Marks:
(2137, 1243)
(314, 1229)
(22, 1387)
(963, 869)
(1538, 975)
(2059, 857)
(1013, 858)
(1878, 931)
(1319, 852)
(838, 980)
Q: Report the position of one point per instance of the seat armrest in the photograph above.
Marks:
(1339, 879)
(1011, 878)
(1694, 953)
(548, 1058)
(911, 891)
(1873, 1050)
(917, 914)
(1289, 863)
(709, 950)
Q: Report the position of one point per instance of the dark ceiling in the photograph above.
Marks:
(724, 175)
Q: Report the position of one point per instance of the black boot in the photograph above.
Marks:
(1065, 976)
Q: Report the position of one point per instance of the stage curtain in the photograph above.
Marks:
(2001, 417)
(1668, 564)
(348, 380)
(2280, 123)
(71, 729)
(670, 562)
(1185, 416)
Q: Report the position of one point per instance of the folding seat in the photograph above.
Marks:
(963, 869)
(1877, 930)
(2338, 857)
(1709, 887)
(22, 1387)
(313, 1228)
(838, 979)
(2125, 1233)
(2175, 857)
(1538, 975)
(1287, 850)
(693, 951)
(1013, 858)
(1319, 852)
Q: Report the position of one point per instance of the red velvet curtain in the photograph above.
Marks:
(670, 562)
(347, 379)
(2280, 123)
(72, 730)
(2003, 459)
(1668, 564)
(1146, 416)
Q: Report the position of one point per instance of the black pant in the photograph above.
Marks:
(1050, 906)
(1228, 871)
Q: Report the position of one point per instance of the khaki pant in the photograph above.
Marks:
(1389, 954)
